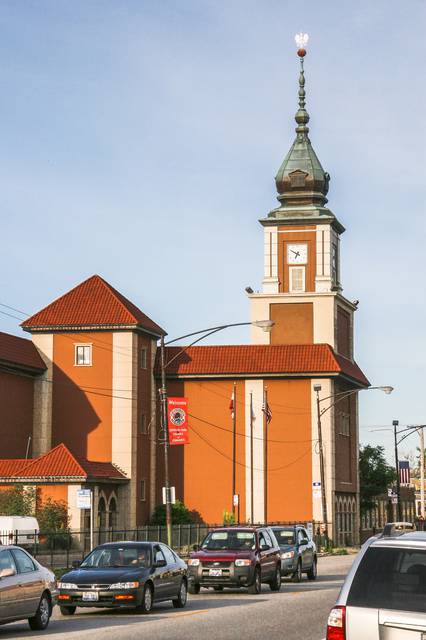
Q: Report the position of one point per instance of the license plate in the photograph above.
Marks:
(90, 596)
(215, 573)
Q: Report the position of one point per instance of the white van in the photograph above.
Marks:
(21, 530)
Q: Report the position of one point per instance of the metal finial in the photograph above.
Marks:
(302, 116)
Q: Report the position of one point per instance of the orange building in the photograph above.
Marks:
(88, 384)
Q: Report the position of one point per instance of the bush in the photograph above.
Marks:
(17, 502)
(52, 516)
(180, 514)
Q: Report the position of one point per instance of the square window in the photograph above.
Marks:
(83, 355)
(143, 491)
(144, 353)
(297, 279)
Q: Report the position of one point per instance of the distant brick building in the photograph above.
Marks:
(85, 388)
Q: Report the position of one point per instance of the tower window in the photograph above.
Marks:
(83, 355)
(143, 426)
(143, 490)
(297, 279)
(144, 352)
(297, 179)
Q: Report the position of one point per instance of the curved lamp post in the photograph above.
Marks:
(337, 397)
(266, 325)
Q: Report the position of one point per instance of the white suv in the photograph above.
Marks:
(384, 594)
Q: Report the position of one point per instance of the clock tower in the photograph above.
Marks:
(302, 289)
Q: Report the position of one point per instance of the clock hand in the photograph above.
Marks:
(296, 253)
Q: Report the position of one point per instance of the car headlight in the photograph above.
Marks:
(193, 562)
(287, 555)
(67, 585)
(242, 563)
(124, 585)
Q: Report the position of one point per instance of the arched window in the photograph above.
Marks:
(113, 514)
(101, 513)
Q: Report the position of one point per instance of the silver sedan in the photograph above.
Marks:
(27, 589)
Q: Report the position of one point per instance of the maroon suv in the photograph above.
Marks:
(236, 557)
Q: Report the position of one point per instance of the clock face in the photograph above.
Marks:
(297, 253)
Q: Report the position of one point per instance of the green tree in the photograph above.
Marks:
(180, 514)
(52, 516)
(17, 501)
(375, 475)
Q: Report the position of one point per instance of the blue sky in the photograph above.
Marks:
(139, 140)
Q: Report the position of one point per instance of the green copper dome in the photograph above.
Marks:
(301, 180)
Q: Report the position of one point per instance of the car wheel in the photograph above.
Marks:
(313, 571)
(194, 588)
(147, 599)
(256, 585)
(275, 584)
(218, 588)
(182, 598)
(67, 611)
(41, 619)
(297, 575)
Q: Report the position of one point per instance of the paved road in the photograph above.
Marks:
(298, 611)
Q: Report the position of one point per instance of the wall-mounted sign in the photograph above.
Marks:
(177, 417)
(84, 499)
(316, 490)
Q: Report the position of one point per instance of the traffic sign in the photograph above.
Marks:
(84, 499)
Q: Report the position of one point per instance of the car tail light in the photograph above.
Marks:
(336, 624)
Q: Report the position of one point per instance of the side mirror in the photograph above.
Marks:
(304, 541)
(160, 563)
(264, 547)
(195, 547)
(75, 564)
(6, 573)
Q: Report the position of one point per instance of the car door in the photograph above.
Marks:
(175, 571)
(10, 589)
(161, 575)
(302, 548)
(309, 549)
(31, 580)
(267, 555)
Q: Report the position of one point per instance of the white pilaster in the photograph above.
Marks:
(124, 415)
(254, 387)
(270, 280)
(43, 393)
(74, 512)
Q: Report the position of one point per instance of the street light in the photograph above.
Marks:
(265, 325)
(320, 412)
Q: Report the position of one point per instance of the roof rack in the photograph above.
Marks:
(392, 529)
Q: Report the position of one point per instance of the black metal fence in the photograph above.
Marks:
(60, 549)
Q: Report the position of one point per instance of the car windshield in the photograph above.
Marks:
(284, 536)
(390, 578)
(118, 557)
(220, 540)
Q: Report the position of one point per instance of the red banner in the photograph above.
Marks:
(177, 417)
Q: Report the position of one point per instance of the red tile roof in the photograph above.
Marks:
(20, 353)
(250, 360)
(11, 467)
(93, 303)
(59, 462)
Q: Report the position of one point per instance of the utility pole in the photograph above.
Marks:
(165, 431)
(317, 388)
(234, 446)
(422, 472)
(265, 455)
(395, 424)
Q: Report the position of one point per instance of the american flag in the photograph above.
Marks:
(232, 405)
(404, 472)
(267, 411)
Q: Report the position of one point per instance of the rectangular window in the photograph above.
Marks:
(143, 427)
(297, 279)
(344, 424)
(83, 355)
(143, 491)
(144, 359)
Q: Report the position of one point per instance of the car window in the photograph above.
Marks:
(390, 578)
(285, 536)
(137, 556)
(23, 561)
(168, 554)
(158, 554)
(235, 539)
(6, 561)
(265, 539)
(300, 535)
(305, 535)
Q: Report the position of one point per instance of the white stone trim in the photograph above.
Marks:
(43, 394)
(256, 388)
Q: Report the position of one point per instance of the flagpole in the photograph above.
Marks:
(234, 446)
(251, 461)
(265, 455)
